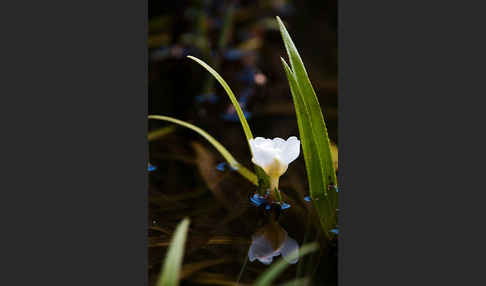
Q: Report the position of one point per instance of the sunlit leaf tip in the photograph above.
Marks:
(173, 260)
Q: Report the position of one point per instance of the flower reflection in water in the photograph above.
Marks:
(270, 241)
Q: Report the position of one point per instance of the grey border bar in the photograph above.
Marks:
(411, 77)
(74, 150)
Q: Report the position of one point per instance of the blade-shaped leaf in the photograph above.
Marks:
(263, 180)
(312, 104)
(314, 137)
(247, 174)
(309, 149)
(173, 260)
(241, 116)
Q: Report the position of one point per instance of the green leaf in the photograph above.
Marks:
(241, 116)
(263, 180)
(309, 149)
(274, 271)
(159, 133)
(247, 174)
(173, 260)
(313, 135)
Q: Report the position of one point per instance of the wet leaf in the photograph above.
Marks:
(313, 135)
(247, 174)
(334, 151)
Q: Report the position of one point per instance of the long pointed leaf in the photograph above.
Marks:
(263, 180)
(314, 137)
(309, 147)
(241, 116)
(310, 100)
(173, 260)
(247, 174)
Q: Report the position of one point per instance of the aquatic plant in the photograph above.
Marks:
(274, 157)
(313, 133)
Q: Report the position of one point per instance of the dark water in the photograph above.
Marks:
(187, 182)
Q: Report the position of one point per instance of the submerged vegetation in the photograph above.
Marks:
(271, 159)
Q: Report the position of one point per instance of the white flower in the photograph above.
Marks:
(274, 155)
(272, 241)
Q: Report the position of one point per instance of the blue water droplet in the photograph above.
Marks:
(284, 206)
(258, 200)
(221, 166)
(151, 167)
(307, 199)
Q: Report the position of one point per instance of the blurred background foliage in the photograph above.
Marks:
(241, 40)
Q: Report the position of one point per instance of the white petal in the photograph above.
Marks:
(279, 144)
(290, 250)
(291, 150)
(262, 142)
(262, 156)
